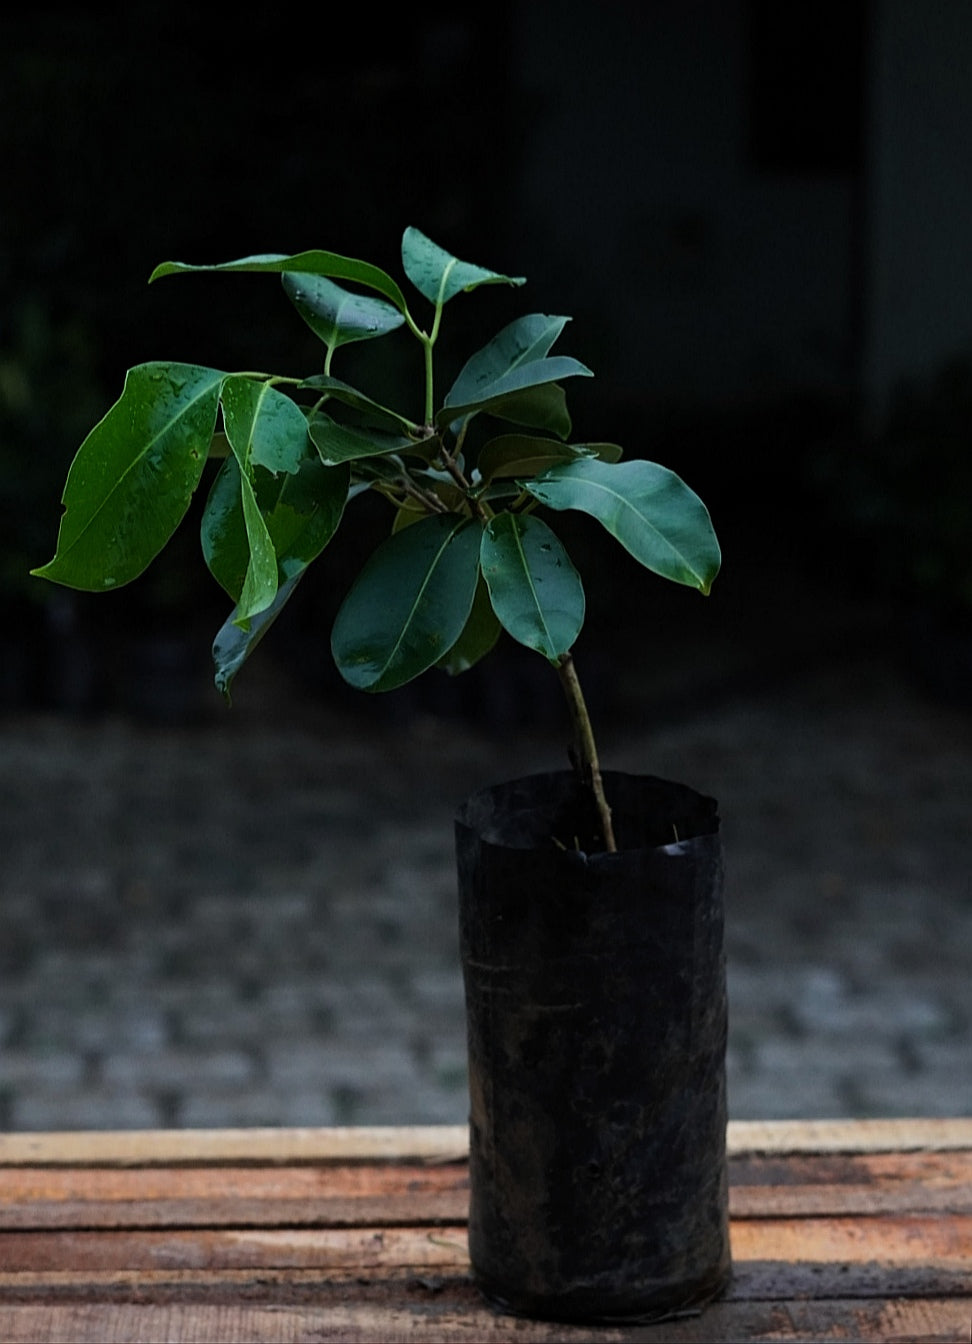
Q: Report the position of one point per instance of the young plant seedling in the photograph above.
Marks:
(468, 553)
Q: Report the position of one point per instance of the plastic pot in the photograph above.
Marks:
(596, 1014)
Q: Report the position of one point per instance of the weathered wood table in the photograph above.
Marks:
(840, 1231)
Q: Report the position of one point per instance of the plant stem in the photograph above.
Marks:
(586, 761)
(427, 343)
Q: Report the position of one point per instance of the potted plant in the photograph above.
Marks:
(590, 903)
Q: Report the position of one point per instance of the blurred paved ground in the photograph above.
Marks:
(251, 922)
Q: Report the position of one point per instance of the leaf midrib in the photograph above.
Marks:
(461, 522)
(626, 504)
(149, 445)
(518, 538)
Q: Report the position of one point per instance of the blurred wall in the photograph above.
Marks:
(757, 214)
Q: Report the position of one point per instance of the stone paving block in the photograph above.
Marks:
(900, 1092)
(262, 1106)
(814, 1093)
(447, 1065)
(23, 1070)
(268, 898)
(787, 1058)
(388, 1106)
(178, 1070)
(822, 1000)
(439, 987)
(44, 1107)
(96, 1028)
(339, 1064)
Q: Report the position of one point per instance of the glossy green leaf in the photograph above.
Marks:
(341, 443)
(543, 407)
(409, 605)
(133, 477)
(264, 428)
(524, 341)
(301, 512)
(647, 508)
(337, 315)
(379, 473)
(513, 396)
(513, 455)
(438, 275)
(535, 590)
(233, 644)
(607, 452)
(305, 514)
(479, 635)
(260, 580)
(222, 530)
(381, 417)
(300, 263)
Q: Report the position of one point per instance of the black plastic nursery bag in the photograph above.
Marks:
(596, 1009)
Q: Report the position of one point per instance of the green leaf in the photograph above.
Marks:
(647, 508)
(337, 315)
(301, 512)
(301, 263)
(233, 644)
(535, 590)
(481, 632)
(260, 581)
(514, 395)
(607, 452)
(380, 416)
(524, 341)
(305, 514)
(409, 605)
(222, 530)
(264, 428)
(341, 443)
(543, 407)
(133, 477)
(438, 275)
(512, 455)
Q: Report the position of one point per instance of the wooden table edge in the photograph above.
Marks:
(436, 1143)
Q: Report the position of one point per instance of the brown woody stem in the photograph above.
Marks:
(586, 762)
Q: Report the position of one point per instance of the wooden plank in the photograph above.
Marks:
(218, 1253)
(168, 1147)
(939, 1167)
(234, 1212)
(944, 1245)
(847, 1184)
(847, 1241)
(461, 1317)
(355, 1181)
(756, 1281)
(435, 1143)
(360, 1194)
(836, 1234)
(848, 1136)
(372, 1193)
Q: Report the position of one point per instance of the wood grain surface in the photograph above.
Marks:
(840, 1231)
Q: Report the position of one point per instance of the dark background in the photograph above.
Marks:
(718, 193)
